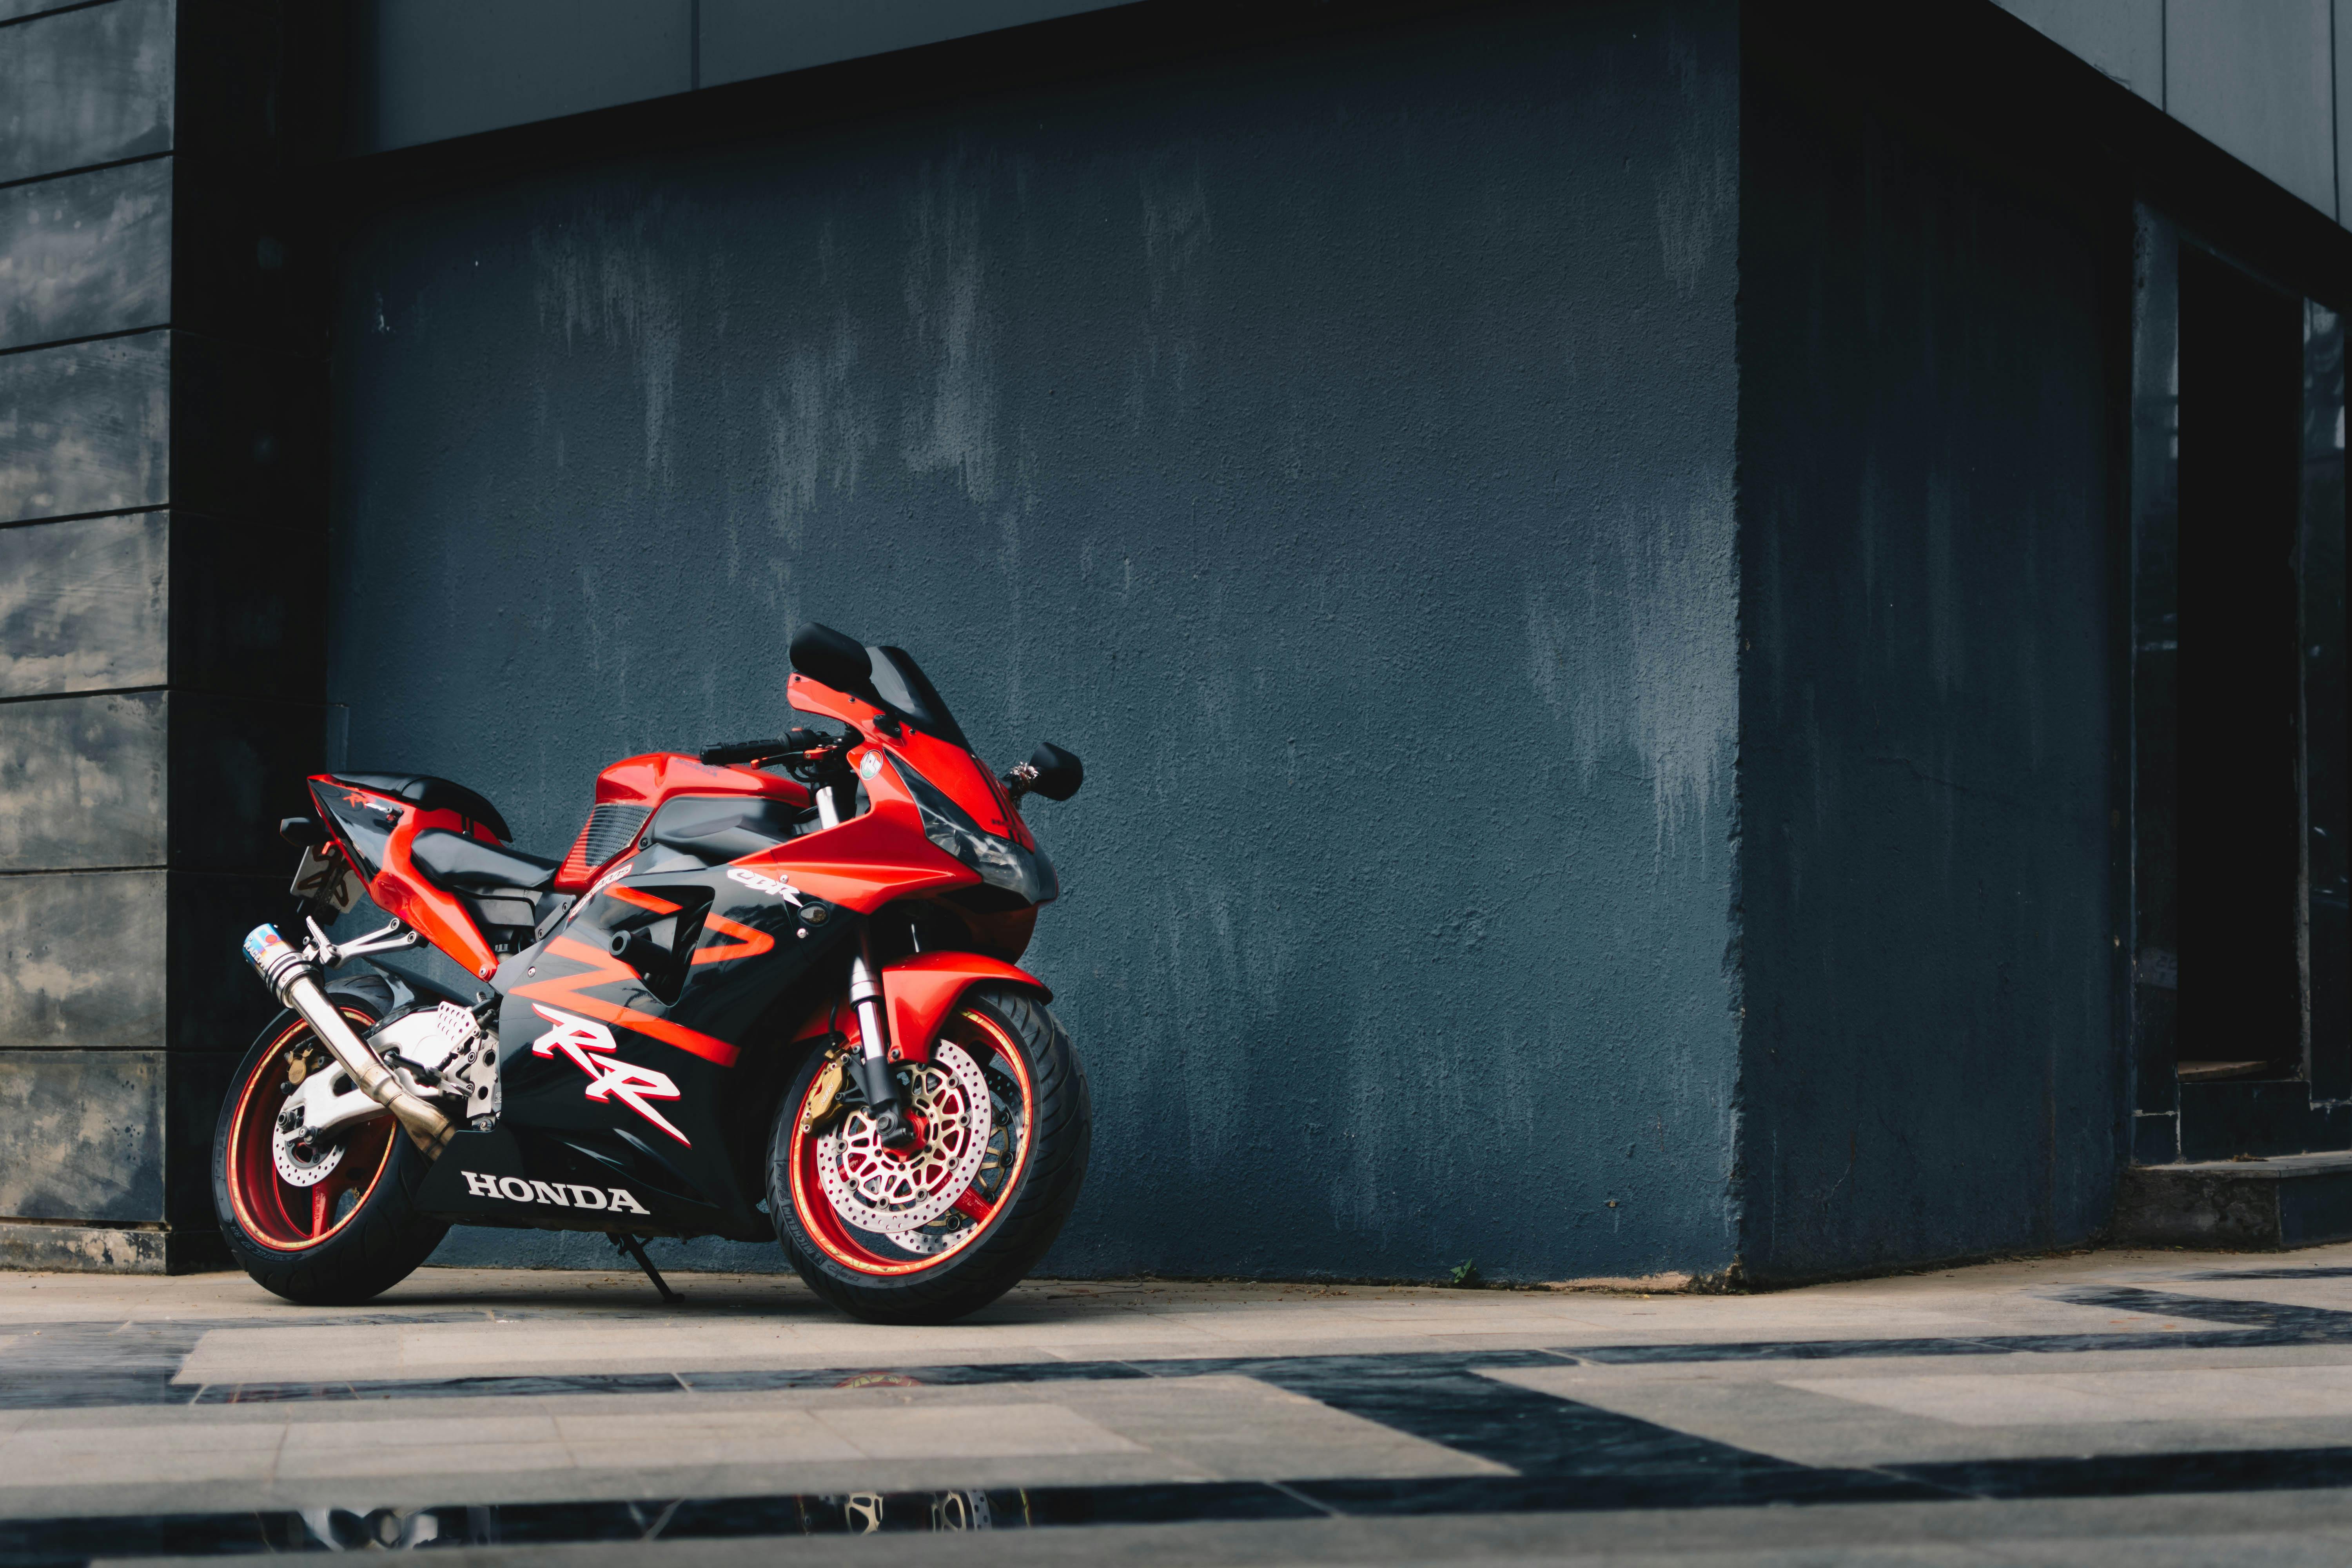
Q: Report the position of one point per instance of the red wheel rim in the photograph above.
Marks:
(975, 1211)
(273, 1211)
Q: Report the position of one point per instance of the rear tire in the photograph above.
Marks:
(975, 1252)
(347, 1239)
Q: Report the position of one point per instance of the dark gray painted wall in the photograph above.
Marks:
(1333, 445)
(1930, 1063)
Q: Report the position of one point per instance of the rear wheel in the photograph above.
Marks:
(325, 1224)
(928, 1236)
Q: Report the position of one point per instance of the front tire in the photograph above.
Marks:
(829, 1189)
(344, 1238)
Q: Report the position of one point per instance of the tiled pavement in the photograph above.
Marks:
(2131, 1406)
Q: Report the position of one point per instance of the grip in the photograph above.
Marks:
(746, 752)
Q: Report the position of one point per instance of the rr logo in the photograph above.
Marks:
(611, 1079)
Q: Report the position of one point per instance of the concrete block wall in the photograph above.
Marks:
(158, 628)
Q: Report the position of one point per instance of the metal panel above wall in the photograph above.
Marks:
(2343, 111)
(85, 254)
(2255, 78)
(746, 39)
(2124, 38)
(86, 87)
(423, 70)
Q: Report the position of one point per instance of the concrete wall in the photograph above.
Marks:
(152, 443)
(1333, 445)
(1931, 1066)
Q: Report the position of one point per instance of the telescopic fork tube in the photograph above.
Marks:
(294, 977)
(872, 1067)
(865, 987)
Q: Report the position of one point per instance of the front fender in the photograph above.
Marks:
(921, 991)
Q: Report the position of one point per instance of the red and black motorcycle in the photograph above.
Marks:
(770, 992)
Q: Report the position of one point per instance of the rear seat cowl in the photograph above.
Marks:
(432, 793)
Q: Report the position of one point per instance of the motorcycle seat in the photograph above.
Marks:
(433, 794)
(467, 865)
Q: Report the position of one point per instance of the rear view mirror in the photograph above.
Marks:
(832, 658)
(1058, 772)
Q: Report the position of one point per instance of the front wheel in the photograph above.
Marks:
(333, 1222)
(927, 1236)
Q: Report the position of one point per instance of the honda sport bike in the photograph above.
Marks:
(770, 992)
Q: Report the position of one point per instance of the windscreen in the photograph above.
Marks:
(907, 692)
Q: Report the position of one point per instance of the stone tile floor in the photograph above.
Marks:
(2150, 1408)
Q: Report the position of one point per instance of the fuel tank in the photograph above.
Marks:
(629, 792)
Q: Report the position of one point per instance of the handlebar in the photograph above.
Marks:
(745, 752)
(801, 744)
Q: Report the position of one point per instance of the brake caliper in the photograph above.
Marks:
(824, 1099)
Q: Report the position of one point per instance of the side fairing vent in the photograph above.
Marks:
(610, 829)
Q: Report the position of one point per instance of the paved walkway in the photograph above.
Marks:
(2148, 1407)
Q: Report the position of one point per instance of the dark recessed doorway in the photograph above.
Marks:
(2238, 714)
(2238, 843)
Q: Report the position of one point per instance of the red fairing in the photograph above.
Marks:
(404, 892)
(920, 992)
(875, 856)
(645, 782)
(950, 768)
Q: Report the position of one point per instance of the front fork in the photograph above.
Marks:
(872, 1067)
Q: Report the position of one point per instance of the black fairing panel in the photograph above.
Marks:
(553, 1182)
(467, 865)
(761, 967)
(716, 829)
(361, 822)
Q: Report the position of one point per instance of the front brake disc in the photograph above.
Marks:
(880, 1189)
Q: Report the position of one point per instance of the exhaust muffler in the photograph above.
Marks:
(295, 979)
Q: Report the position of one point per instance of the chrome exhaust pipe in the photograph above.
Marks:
(290, 973)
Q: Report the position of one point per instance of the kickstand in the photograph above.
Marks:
(636, 1249)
